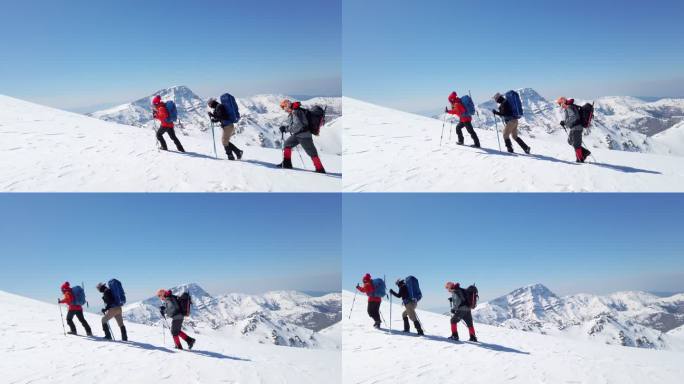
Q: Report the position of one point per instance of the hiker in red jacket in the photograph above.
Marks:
(162, 114)
(373, 301)
(74, 310)
(459, 110)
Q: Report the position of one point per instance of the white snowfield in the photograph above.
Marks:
(394, 151)
(503, 355)
(48, 150)
(34, 350)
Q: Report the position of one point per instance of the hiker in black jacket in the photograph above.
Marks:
(220, 115)
(111, 311)
(511, 123)
(409, 307)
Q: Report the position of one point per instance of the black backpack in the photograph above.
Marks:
(472, 296)
(586, 113)
(315, 118)
(185, 302)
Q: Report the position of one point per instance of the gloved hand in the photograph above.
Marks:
(453, 310)
(282, 129)
(357, 285)
(154, 114)
(451, 299)
(162, 310)
(103, 311)
(562, 123)
(392, 291)
(494, 111)
(446, 109)
(59, 301)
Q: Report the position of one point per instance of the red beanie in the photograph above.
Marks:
(156, 100)
(452, 97)
(66, 286)
(366, 277)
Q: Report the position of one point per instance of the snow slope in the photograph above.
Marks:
(390, 150)
(260, 117)
(631, 318)
(49, 150)
(504, 355)
(34, 350)
(281, 317)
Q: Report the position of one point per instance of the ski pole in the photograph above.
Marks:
(352, 306)
(62, 317)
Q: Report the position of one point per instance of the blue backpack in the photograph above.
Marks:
(229, 103)
(378, 288)
(469, 105)
(514, 101)
(117, 292)
(413, 289)
(173, 112)
(79, 295)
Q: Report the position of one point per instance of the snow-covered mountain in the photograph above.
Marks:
(283, 318)
(620, 122)
(502, 355)
(387, 150)
(49, 150)
(260, 117)
(35, 350)
(635, 319)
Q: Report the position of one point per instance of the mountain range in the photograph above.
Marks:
(286, 318)
(620, 122)
(631, 318)
(260, 116)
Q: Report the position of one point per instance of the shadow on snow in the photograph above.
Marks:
(151, 347)
(493, 347)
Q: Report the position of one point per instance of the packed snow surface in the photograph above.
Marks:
(503, 355)
(34, 350)
(49, 150)
(390, 150)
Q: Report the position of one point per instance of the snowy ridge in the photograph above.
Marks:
(620, 122)
(503, 355)
(34, 350)
(260, 117)
(386, 150)
(635, 319)
(286, 318)
(49, 150)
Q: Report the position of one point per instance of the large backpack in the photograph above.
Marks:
(379, 289)
(229, 103)
(413, 288)
(586, 113)
(468, 105)
(173, 112)
(79, 295)
(117, 292)
(472, 296)
(185, 302)
(515, 102)
(315, 118)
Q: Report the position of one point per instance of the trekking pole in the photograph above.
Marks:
(442, 135)
(390, 323)
(110, 332)
(213, 138)
(62, 317)
(352, 306)
(496, 124)
(300, 157)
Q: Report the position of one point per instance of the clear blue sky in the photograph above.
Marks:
(572, 243)
(411, 54)
(80, 53)
(248, 243)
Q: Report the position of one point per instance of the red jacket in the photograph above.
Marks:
(459, 110)
(162, 115)
(68, 299)
(368, 288)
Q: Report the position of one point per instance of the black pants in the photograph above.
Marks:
(172, 135)
(176, 326)
(575, 139)
(469, 127)
(306, 142)
(79, 316)
(464, 315)
(374, 311)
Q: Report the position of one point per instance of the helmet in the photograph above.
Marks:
(285, 103)
(452, 97)
(161, 293)
(366, 277)
(66, 286)
(156, 100)
(561, 100)
(450, 285)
